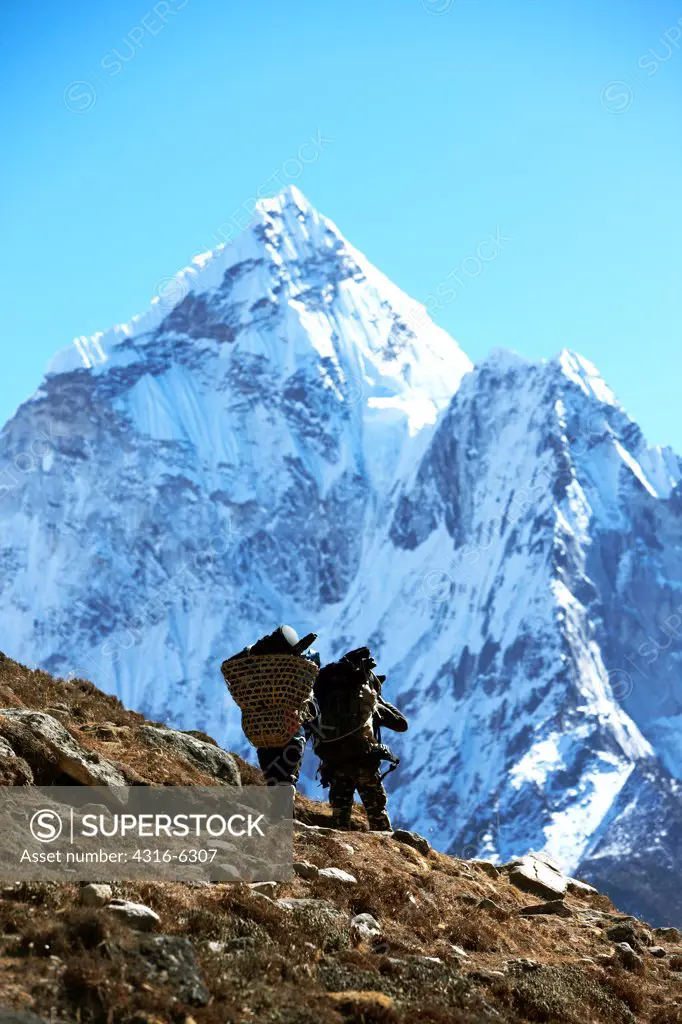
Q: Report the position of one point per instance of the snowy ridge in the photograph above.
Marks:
(285, 436)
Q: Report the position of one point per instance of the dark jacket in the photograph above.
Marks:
(389, 716)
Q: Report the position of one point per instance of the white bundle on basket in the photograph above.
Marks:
(273, 692)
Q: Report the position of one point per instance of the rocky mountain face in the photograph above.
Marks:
(285, 436)
(377, 928)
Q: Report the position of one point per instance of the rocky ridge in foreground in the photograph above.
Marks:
(371, 928)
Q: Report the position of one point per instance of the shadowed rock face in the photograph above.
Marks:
(291, 439)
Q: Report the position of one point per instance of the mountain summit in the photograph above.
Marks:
(285, 436)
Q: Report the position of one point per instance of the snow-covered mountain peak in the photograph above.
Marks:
(280, 291)
(582, 372)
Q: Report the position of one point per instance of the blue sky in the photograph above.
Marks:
(135, 130)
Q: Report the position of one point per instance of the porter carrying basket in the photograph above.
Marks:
(273, 692)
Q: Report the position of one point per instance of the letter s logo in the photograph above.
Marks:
(46, 826)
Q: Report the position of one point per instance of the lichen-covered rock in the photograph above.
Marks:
(137, 915)
(412, 839)
(337, 875)
(537, 876)
(95, 894)
(47, 745)
(207, 757)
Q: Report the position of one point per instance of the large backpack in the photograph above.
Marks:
(347, 702)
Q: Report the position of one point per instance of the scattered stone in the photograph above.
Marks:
(306, 870)
(95, 894)
(490, 905)
(66, 755)
(624, 931)
(350, 850)
(412, 839)
(207, 757)
(238, 945)
(364, 928)
(262, 896)
(630, 960)
(580, 888)
(557, 907)
(142, 918)
(461, 953)
(171, 961)
(488, 868)
(523, 964)
(658, 952)
(484, 977)
(534, 875)
(668, 934)
(645, 937)
(338, 874)
(264, 888)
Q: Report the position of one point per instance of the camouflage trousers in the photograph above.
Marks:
(342, 786)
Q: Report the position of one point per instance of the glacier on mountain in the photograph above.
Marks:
(281, 438)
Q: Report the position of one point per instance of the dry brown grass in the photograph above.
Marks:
(302, 967)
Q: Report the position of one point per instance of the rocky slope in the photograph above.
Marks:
(285, 436)
(371, 928)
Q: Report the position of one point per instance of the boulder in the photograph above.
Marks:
(95, 894)
(535, 875)
(412, 839)
(630, 960)
(364, 928)
(673, 935)
(264, 888)
(306, 870)
(580, 888)
(557, 907)
(624, 931)
(139, 917)
(338, 875)
(56, 749)
(170, 961)
(206, 757)
(658, 952)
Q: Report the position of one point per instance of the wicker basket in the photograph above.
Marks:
(273, 691)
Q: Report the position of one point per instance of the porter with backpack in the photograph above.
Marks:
(347, 737)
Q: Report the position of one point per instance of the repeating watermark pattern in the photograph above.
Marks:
(169, 291)
(458, 279)
(650, 650)
(184, 833)
(290, 171)
(618, 95)
(80, 96)
(438, 6)
(34, 456)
